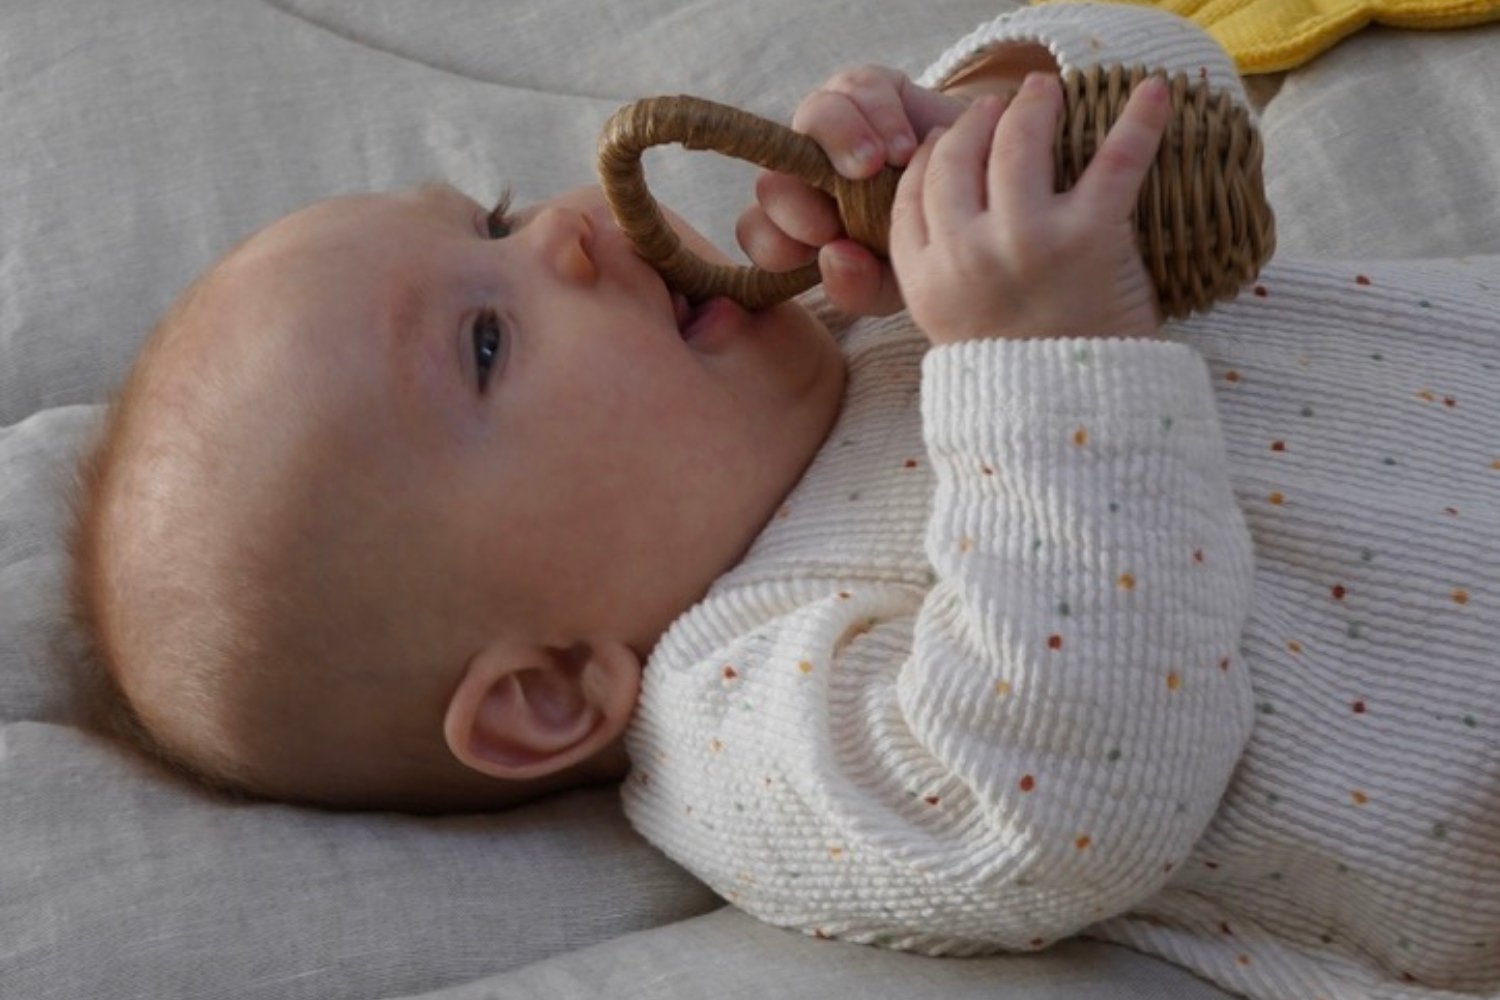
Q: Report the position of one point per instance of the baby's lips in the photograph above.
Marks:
(681, 309)
(714, 318)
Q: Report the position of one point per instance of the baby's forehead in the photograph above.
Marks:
(264, 310)
(310, 315)
(307, 229)
(350, 230)
(308, 256)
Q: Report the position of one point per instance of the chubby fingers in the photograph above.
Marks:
(943, 189)
(908, 227)
(787, 223)
(857, 281)
(800, 210)
(955, 188)
(1021, 172)
(1111, 184)
(858, 120)
(871, 115)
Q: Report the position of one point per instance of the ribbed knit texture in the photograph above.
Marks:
(1192, 645)
(1083, 35)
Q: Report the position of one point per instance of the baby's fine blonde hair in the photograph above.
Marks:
(97, 603)
(218, 646)
(247, 623)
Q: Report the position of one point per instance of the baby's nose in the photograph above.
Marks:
(565, 238)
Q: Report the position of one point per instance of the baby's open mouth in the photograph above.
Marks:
(715, 314)
(689, 315)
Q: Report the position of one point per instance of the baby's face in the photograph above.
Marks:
(525, 407)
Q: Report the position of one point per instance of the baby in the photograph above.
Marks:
(1009, 616)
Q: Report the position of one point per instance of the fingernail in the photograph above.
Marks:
(840, 264)
(901, 147)
(865, 154)
(1034, 83)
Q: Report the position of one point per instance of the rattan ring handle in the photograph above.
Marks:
(1204, 225)
(697, 123)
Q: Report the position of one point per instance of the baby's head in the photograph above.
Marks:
(401, 493)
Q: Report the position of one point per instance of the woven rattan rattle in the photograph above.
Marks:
(1204, 225)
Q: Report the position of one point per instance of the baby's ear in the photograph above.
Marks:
(524, 711)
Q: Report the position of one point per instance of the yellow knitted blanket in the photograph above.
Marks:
(1265, 36)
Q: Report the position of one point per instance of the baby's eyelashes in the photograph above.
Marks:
(499, 222)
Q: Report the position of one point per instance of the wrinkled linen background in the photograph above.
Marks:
(144, 138)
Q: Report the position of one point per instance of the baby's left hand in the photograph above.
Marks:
(863, 118)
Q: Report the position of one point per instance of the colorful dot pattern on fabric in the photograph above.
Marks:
(1324, 674)
(1449, 443)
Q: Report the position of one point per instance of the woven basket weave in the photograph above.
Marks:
(1203, 222)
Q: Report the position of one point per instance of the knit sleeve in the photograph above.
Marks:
(1022, 735)
(1075, 665)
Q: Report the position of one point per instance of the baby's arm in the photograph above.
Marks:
(1076, 665)
(1093, 569)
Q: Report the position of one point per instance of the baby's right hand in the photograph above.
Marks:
(984, 247)
(863, 118)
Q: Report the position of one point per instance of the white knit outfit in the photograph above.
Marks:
(1191, 645)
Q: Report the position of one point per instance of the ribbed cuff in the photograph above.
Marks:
(990, 388)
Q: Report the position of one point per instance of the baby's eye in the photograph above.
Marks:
(489, 344)
(498, 222)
